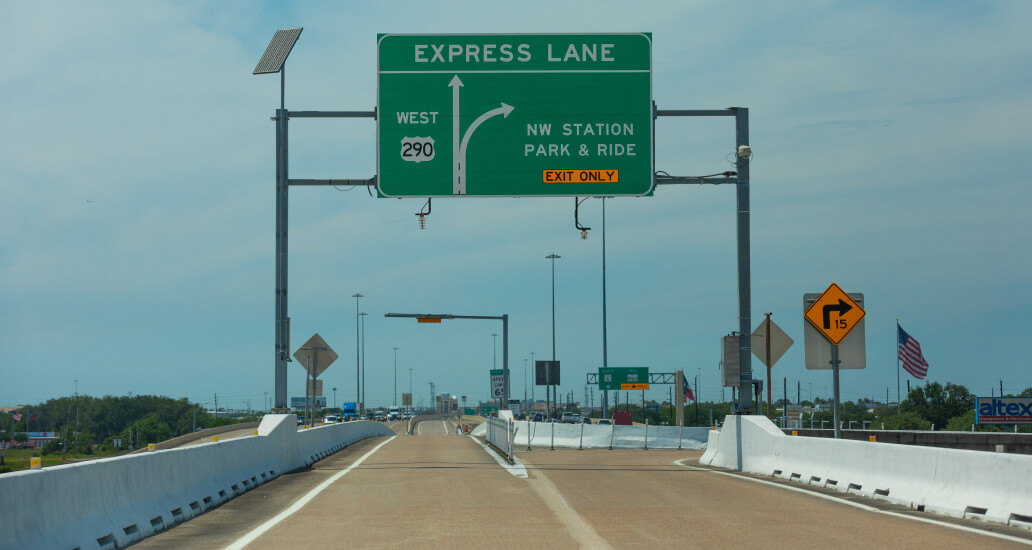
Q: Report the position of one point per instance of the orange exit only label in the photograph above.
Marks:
(580, 176)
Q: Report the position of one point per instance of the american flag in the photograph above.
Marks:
(910, 354)
(687, 390)
(17, 417)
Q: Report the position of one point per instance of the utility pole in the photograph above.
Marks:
(395, 377)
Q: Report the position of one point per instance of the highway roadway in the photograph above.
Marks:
(439, 489)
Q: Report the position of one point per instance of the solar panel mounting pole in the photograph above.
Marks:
(273, 61)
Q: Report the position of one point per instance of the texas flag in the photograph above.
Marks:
(688, 392)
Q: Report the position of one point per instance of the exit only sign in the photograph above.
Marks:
(514, 115)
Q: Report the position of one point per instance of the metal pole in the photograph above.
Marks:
(744, 281)
(784, 405)
(835, 377)
(76, 420)
(395, 379)
(363, 363)
(696, 399)
(533, 362)
(605, 330)
(770, 411)
(281, 352)
(553, 256)
(358, 363)
(505, 359)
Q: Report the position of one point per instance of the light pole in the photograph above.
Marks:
(524, 384)
(76, 418)
(358, 379)
(532, 362)
(494, 350)
(334, 398)
(410, 386)
(395, 377)
(553, 256)
(363, 316)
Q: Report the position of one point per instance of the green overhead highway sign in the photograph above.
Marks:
(514, 115)
(623, 378)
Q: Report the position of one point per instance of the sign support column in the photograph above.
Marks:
(744, 281)
(835, 383)
(282, 322)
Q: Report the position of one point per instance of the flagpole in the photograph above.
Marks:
(899, 404)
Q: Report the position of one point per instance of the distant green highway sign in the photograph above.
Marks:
(514, 115)
(623, 378)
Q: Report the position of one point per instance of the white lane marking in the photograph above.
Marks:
(258, 531)
(859, 505)
(576, 525)
(445, 424)
(419, 429)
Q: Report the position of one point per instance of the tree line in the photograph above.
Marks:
(935, 406)
(101, 420)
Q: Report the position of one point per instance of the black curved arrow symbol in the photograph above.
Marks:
(841, 308)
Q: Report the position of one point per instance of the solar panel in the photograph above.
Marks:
(279, 48)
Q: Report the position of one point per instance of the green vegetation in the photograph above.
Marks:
(140, 419)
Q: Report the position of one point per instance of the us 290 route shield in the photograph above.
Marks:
(514, 115)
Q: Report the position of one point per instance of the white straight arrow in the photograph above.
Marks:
(458, 178)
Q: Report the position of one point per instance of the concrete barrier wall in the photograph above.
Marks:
(118, 501)
(1020, 443)
(593, 436)
(962, 483)
(194, 436)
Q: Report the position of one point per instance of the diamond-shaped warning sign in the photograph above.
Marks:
(834, 314)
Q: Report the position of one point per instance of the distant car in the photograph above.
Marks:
(604, 422)
(331, 419)
(538, 417)
(570, 418)
(521, 416)
(586, 420)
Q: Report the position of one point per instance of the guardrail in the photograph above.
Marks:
(961, 483)
(501, 432)
(114, 502)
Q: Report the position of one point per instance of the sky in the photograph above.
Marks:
(137, 224)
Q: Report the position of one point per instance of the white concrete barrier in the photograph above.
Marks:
(961, 483)
(118, 501)
(593, 436)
